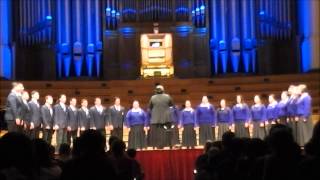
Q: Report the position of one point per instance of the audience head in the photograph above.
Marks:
(131, 153)
(227, 139)
(43, 153)
(313, 146)
(111, 140)
(90, 143)
(208, 146)
(280, 139)
(118, 148)
(16, 151)
(64, 150)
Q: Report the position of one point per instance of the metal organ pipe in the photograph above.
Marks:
(90, 42)
(66, 36)
(245, 27)
(214, 35)
(222, 43)
(98, 34)
(77, 36)
(253, 34)
(235, 35)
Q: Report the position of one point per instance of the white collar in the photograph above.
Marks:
(73, 108)
(205, 105)
(188, 109)
(62, 105)
(136, 110)
(273, 103)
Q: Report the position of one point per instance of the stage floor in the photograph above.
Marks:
(175, 164)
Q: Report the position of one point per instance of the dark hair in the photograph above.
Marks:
(90, 142)
(131, 153)
(112, 139)
(64, 149)
(118, 148)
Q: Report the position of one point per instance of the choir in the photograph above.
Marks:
(68, 121)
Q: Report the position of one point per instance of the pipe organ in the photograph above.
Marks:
(156, 55)
(113, 39)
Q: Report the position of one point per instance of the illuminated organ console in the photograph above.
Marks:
(156, 55)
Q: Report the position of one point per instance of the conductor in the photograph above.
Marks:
(159, 106)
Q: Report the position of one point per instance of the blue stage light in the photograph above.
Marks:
(49, 17)
(262, 13)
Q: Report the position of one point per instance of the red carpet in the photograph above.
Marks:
(168, 164)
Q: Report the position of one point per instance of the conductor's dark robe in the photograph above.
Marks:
(35, 119)
(47, 120)
(25, 116)
(116, 119)
(13, 107)
(60, 118)
(98, 119)
(159, 106)
(83, 119)
(73, 124)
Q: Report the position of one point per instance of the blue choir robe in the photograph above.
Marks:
(303, 104)
(258, 113)
(174, 114)
(187, 117)
(292, 107)
(205, 115)
(136, 117)
(283, 108)
(272, 111)
(241, 113)
(225, 116)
